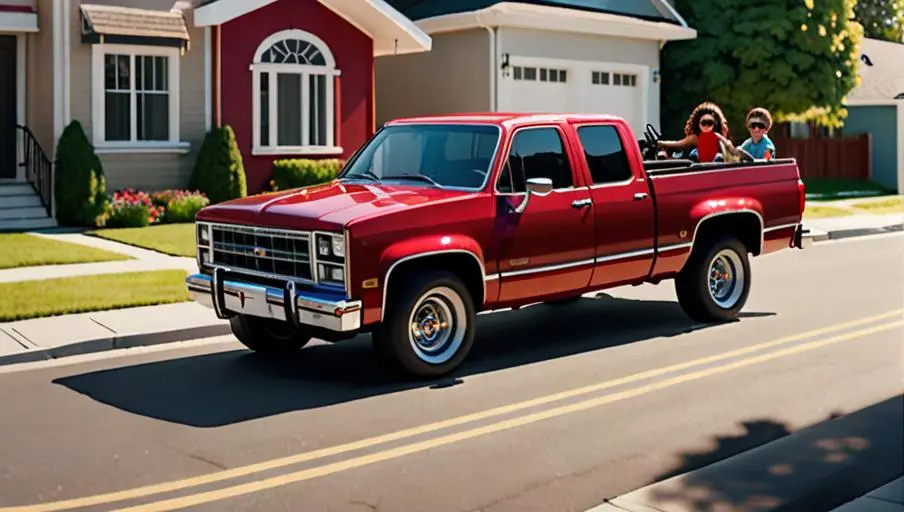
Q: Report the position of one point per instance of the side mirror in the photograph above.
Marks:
(539, 186)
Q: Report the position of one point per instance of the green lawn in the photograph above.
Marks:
(822, 212)
(49, 297)
(885, 206)
(172, 239)
(828, 189)
(24, 250)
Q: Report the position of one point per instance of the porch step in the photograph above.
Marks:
(15, 189)
(27, 224)
(28, 212)
(20, 201)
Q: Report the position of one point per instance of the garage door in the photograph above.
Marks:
(574, 86)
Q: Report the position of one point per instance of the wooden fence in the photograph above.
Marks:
(823, 157)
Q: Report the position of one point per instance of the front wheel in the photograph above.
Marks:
(714, 284)
(429, 325)
(268, 336)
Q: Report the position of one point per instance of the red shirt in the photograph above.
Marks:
(707, 146)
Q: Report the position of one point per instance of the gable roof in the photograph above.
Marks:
(650, 10)
(883, 81)
(392, 33)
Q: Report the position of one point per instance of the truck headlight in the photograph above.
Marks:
(330, 247)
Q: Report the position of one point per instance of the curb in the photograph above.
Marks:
(818, 235)
(820, 467)
(115, 342)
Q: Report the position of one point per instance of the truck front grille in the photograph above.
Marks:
(278, 252)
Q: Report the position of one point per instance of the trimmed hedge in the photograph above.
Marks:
(300, 172)
(80, 188)
(219, 171)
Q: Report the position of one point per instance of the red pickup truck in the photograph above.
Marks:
(436, 219)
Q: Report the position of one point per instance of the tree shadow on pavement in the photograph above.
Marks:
(234, 386)
(814, 469)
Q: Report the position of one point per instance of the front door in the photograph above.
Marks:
(8, 102)
(549, 247)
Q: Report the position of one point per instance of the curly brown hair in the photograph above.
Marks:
(692, 126)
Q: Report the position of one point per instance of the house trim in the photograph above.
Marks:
(59, 79)
(17, 21)
(21, 97)
(560, 19)
(674, 12)
(899, 107)
(97, 101)
(399, 36)
(208, 80)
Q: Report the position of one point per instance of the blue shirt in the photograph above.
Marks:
(758, 149)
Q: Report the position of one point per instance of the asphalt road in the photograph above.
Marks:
(557, 409)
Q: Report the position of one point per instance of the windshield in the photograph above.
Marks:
(440, 155)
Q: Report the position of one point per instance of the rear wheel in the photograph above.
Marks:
(714, 284)
(429, 325)
(268, 336)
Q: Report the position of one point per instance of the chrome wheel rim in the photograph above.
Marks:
(437, 325)
(726, 278)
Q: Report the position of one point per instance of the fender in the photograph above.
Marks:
(712, 208)
(425, 246)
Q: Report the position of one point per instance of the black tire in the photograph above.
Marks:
(692, 284)
(268, 336)
(448, 298)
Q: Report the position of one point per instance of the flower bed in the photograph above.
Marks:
(130, 208)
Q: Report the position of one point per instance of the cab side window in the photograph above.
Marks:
(606, 157)
(535, 153)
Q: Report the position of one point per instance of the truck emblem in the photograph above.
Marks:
(260, 252)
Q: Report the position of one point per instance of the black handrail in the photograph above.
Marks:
(38, 167)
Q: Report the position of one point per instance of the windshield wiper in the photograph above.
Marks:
(363, 174)
(419, 177)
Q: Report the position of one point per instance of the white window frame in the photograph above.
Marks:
(257, 67)
(173, 145)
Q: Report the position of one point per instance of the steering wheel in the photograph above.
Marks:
(652, 137)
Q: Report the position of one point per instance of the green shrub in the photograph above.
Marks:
(185, 207)
(300, 172)
(80, 188)
(219, 171)
(129, 216)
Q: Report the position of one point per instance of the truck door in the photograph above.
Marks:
(623, 210)
(549, 247)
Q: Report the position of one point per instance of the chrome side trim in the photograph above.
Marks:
(780, 227)
(483, 274)
(549, 268)
(624, 255)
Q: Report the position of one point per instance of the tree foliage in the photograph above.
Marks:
(797, 58)
(881, 19)
(80, 188)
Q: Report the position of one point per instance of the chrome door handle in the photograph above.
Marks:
(640, 196)
(581, 203)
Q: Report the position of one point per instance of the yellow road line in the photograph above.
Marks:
(328, 469)
(219, 476)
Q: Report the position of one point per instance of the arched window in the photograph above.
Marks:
(293, 81)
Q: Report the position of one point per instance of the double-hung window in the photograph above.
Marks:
(135, 99)
(294, 79)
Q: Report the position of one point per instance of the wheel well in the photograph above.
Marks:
(463, 265)
(744, 225)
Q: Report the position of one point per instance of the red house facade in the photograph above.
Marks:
(295, 78)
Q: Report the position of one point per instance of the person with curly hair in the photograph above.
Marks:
(705, 128)
(759, 145)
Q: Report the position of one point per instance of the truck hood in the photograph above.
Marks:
(329, 206)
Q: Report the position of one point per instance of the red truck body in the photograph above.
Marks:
(642, 226)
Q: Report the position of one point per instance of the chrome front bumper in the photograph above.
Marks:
(227, 295)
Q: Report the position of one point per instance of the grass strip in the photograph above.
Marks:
(171, 239)
(22, 300)
(24, 250)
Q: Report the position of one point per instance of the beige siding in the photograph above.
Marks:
(39, 78)
(452, 77)
(142, 170)
(586, 47)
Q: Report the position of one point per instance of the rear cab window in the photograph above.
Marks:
(536, 152)
(605, 154)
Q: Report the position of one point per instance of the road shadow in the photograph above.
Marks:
(814, 469)
(228, 387)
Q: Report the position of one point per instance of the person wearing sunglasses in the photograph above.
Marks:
(759, 145)
(705, 128)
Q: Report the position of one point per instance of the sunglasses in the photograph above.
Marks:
(758, 125)
(707, 122)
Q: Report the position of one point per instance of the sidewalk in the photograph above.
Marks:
(858, 224)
